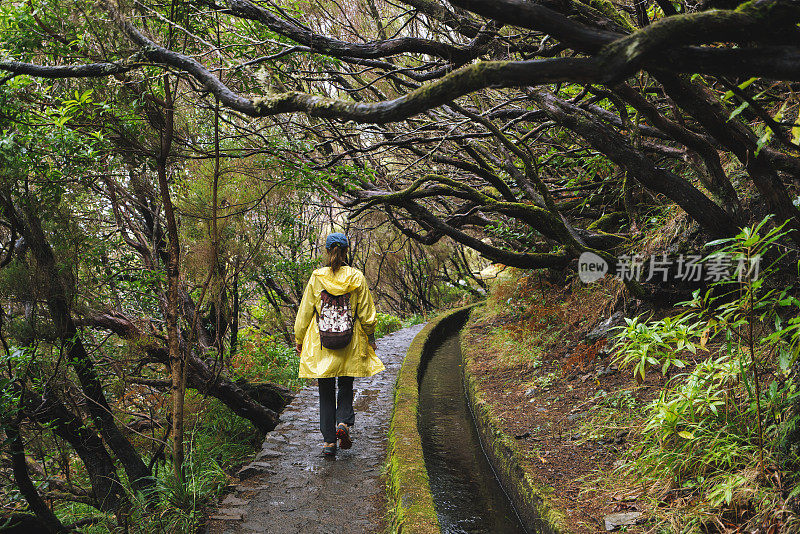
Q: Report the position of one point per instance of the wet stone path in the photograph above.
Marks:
(291, 488)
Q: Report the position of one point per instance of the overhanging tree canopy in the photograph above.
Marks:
(485, 91)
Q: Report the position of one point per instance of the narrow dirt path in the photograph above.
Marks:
(291, 488)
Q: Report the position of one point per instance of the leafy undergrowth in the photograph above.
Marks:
(218, 443)
(687, 417)
(718, 450)
(266, 358)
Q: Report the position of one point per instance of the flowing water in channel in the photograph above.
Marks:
(467, 495)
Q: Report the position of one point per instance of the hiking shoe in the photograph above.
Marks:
(343, 434)
(329, 449)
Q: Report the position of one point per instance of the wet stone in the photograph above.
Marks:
(230, 500)
(246, 472)
(604, 327)
(293, 488)
(268, 453)
(605, 371)
(229, 514)
(622, 519)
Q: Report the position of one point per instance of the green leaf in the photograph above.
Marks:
(779, 115)
(745, 378)
(763, 140)
(769, 133)
(742, 107)
(786, 358)
(686, 434)
(728, 95)
(719, 242)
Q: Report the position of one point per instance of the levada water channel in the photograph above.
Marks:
(466, 492)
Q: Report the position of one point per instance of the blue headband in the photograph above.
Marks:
(336, 239)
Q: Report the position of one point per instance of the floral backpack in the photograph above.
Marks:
(335, 320)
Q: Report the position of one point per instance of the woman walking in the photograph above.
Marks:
(334, 332)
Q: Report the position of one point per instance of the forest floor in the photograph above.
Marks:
(570, 409)
(292, 488)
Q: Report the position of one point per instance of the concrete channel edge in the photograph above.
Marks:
(411, 507)
(530, 499)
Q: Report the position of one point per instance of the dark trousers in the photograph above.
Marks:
(333, 408)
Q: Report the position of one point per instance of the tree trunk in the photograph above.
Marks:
(235, 312)
(738, 139)
(199, 375)
(711, 217)
(202, 378)
(176, 360)
(106, 487)
(24, 482)
(272, 396)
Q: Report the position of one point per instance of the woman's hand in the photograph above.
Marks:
(298, 348)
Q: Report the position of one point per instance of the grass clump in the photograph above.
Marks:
(413, 319)
(718, 449)
(217, 443)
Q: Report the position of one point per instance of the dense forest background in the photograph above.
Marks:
(168, 169)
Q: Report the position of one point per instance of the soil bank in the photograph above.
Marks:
(537, 385)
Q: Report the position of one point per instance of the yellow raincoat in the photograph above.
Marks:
(357, 358)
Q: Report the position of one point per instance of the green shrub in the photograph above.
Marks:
(642, 345)
(717, 433)
(217, 434)
(264, 358)
(413, 319)
(175, 507)
(387, 324)
(451, 295)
